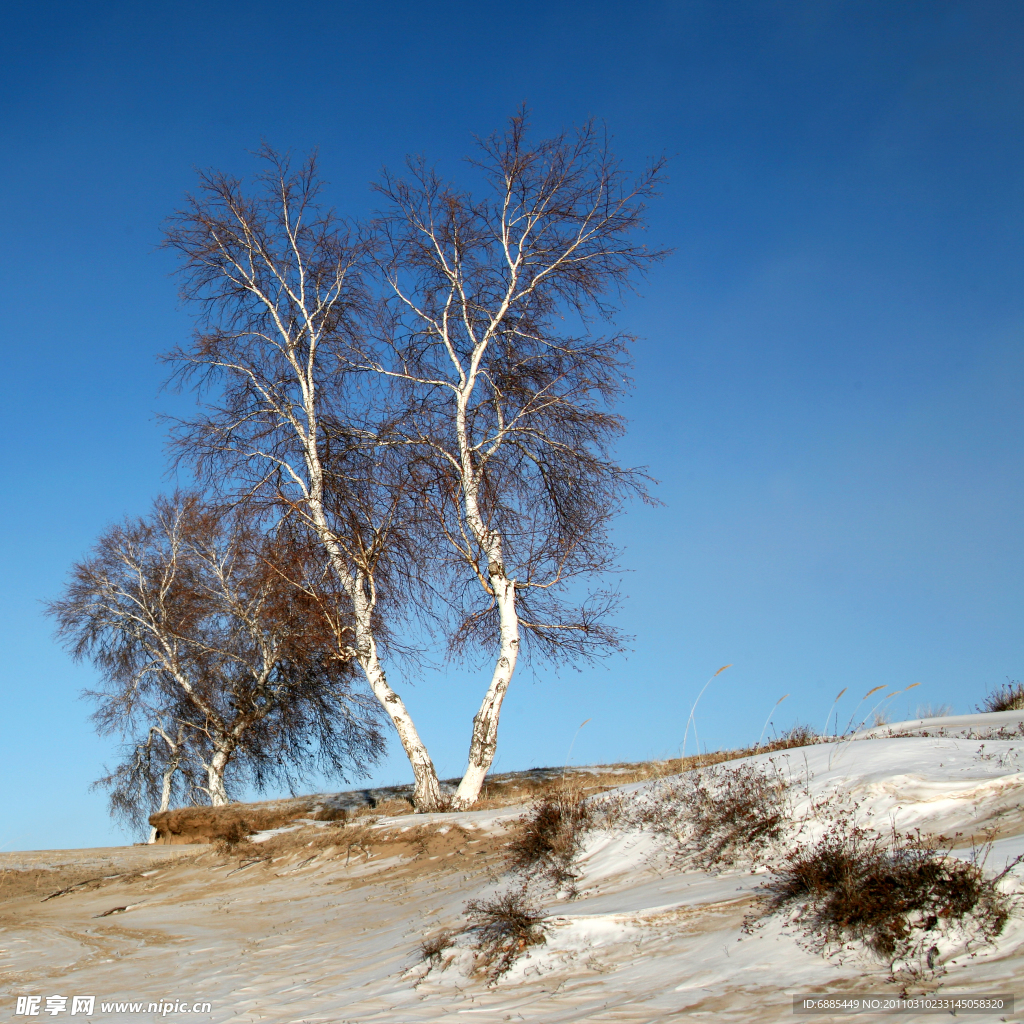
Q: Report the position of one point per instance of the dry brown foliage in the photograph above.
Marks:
(799, 735)
(714, 817)
(233, 822)
(205, 626)
(386, 808)
(230, 823)
(547, 840)
(1009, 697)
(895, 895)
(331, 814)
(505, 926)
(432, 950)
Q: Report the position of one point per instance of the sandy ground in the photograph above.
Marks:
(330, 932)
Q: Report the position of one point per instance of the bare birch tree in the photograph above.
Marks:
(277, 280)
(510, 411)
(192, 620)
(416, 399)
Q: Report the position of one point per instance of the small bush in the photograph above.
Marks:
(894, 895)
(1009, 697)
(799, 736)
(230, 823)
(236, 830)
(331, 814)
(548, 840)
(392, 807)
(433, 949)
(717, 816)
(505, 927)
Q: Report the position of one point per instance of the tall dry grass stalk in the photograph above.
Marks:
(769, 718)
(693, 721)
(824, 732)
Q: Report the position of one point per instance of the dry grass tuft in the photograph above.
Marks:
(505, 926)
(392, 808)
(717, 816)
(231, 823)
(547, 840)
(1009, 697)
(929, 710)
(332, 814)
(237, 830)
(798, 736)
(432, 950)
(896, 895)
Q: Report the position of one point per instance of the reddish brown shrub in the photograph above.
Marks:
(505, 926)
(894, 895)
(548, 839)
(717, 816)
(1009, 697)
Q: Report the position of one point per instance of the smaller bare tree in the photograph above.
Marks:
(155, 772)
(191, 618)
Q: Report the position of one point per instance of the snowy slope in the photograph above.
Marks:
(334, 941)
(990, 725)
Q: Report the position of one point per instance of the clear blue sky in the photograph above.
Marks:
(829, 385)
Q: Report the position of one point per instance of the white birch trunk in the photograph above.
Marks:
(215, 777)
(484, 740)
(427, 792)
(165, 794)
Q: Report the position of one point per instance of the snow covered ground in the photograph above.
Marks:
(335, 938)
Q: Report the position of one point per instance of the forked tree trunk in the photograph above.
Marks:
(562, 237)
(484, 740)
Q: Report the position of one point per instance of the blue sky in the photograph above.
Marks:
(828, 385)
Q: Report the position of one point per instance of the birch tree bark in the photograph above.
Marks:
(175, 755)
(215, 769)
